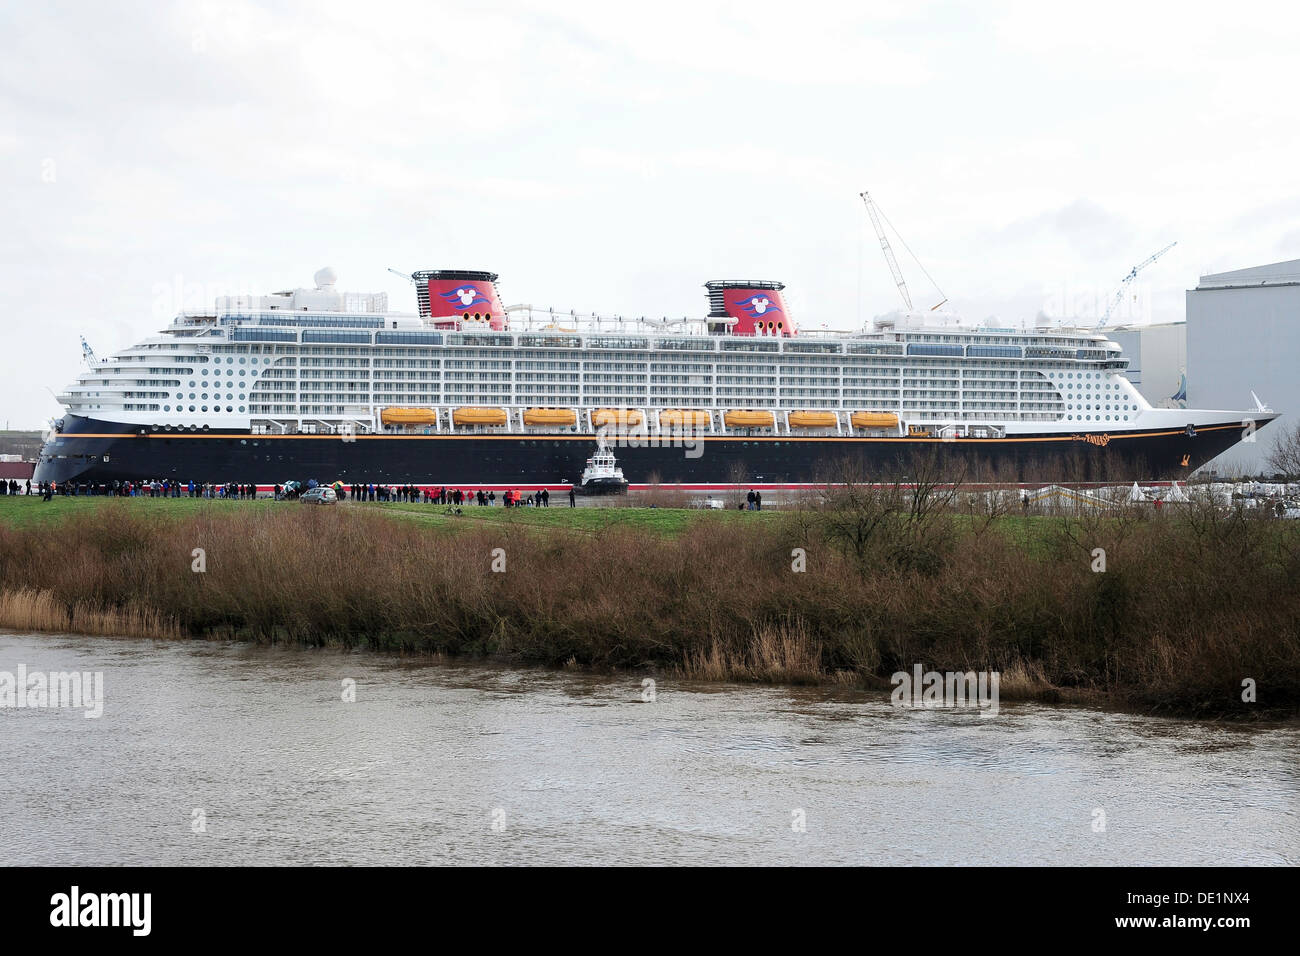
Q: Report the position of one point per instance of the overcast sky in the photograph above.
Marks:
(615, 156)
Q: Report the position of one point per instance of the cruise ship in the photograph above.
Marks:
(315, 383)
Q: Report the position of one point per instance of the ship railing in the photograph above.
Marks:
(536, 318)
(531, 318)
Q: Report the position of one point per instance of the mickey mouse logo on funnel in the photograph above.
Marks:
(456, 296)
(758, 305)
(748, 307)
(465, 297)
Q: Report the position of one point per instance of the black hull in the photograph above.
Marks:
(94, 451)
(602, 487)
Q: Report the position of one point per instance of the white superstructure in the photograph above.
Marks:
(319, 361)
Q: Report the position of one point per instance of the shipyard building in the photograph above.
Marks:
(1243, 335)
(1157, 357)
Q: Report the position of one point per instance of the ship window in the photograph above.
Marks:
(167, 408)
(191, 408)
(205, 408)
(204, 372)
(241, 408)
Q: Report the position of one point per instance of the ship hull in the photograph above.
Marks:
(94, 451)
(603, 486)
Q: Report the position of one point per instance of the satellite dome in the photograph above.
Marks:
(325, 278)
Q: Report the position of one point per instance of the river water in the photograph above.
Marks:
(211, 753)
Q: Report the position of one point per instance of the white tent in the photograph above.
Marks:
(1136, 494)
(1058, 497)
(1176, 493)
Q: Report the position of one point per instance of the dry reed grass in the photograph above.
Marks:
(1186, 610)
(26, 609)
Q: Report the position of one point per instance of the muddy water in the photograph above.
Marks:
(220, 753)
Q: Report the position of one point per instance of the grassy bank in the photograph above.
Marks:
(1187, 608)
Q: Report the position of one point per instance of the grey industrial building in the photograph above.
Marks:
(1243, 335)
(1157, 357)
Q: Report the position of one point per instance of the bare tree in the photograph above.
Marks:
(902, 520)
(737, 477)
(1284, 459)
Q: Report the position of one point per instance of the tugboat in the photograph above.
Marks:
(602, 476)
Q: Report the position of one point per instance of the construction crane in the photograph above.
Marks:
(88, 354)
(876, 216)
(1128, 279)
(889, 253)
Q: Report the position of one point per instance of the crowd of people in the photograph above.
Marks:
(290, 490)
(140, 489)
(446, 496)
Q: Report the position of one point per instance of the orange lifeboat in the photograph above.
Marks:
(874, 420)
(468, 415)
(747, 418)
(550, 416)
(684, 418)
(615, 416)
(408, 416)
(806, 419)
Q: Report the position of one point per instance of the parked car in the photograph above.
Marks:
(319, 496)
